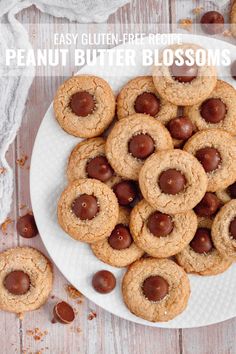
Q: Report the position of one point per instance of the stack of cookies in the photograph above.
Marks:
(157, 193)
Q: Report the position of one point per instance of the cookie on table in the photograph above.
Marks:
(161, 235)
(216, 150)
(184, 85)
(233, 19)
(156, 290)
(217, 111)
(88, 210)
(225, 195)
(140, 96)
(132, 140)
(88, 160)
(118, 249)
(25, 279)
(224, 230)
(172, 181)
(202, 256)
(84, 106)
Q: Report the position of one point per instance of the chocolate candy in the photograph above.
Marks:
(103, 281)
(125, 192)
(232, 228)
(147, 103)
(17, 282)
(155, 288)
(26, 226)
(172, 181)
(99, 168)
(208, 206)
(141, 146)
(202, 243)
(160, 224)
(233, 70)
(82, 103)
(120, 237)
(184, 73)
(213, 110)
(212, 22)
(232, 190)
(209, 158)
(63, 313)
(85, 207)
(180, 128)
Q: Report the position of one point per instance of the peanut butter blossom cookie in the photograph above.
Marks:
(88, 210)
(172, 181)
(184, 83)
(25, 279)
(155, 290)
(132, 140)
(217, 111)
(118, 249)
(161, 235)
(201, 256)
(84, 106)
(224, 230)
(216, 151)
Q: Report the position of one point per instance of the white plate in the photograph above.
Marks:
(212, 299)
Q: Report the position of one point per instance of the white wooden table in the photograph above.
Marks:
(105, 333)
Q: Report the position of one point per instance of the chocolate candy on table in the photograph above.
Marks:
(120, 237)
(212, 22)
(82, 104)
(126, 192)
(213, 110)
(17, 282)
(232, 190)
(103, 281)
(160, 224)
(26, 226)
(85, 207)
(202, 242)
(232, 228)
(209, 157)
(180, 128)
(172, 182)
(208, 206)
(99, 168)
(141, 146)
(184, 73)
(233, 70)
(147, 103)
(63, 313)
(155, 288)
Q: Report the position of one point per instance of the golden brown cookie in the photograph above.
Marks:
(156, 290)
(88, 210)
(217, 111)
(84, 106)
(118, 249)
(224, 230)
(184, 85)
(233, 19)
(25, 279)
(201, 256)
(132, 140)
(172, 181)
(216, 150)
(161, 235)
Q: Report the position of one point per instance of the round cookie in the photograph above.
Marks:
(172, 181)
(84, 106)
(217, 111)
(87, 160)
(161, 235)
(225, 195)
(140, 96)
(132, 140)
(233, 19)
(25, 279)
(224, 230)
(216, 150)
(201, 255)
(156, 290)
(118, 249)
(88, 210)
(184, 85)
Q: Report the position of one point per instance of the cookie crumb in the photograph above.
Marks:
(20, 315)
(5, 225)
(36, 333)
(92, 315)
(2, 170)
(186, 24)
(21, 161)
(73, 293)
(227, 33)
(197, 10)
(22, 206)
